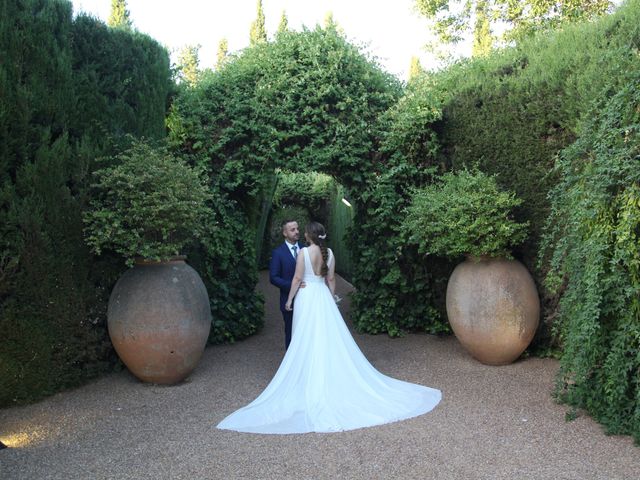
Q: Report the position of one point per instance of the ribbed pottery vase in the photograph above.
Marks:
(159, 320)
(493, 308)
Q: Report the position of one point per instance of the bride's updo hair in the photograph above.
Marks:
(318, 235)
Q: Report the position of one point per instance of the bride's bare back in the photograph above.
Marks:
(315, 255)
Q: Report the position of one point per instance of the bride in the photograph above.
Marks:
(325, 384)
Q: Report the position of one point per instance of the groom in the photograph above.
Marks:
(282, 268)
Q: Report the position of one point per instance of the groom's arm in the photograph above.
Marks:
(275, 273)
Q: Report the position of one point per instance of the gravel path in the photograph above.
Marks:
(493, 423)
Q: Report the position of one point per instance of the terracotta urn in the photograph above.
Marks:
(159, 320)
(493, 308)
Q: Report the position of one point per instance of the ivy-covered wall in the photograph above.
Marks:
(593, 238)
(307, 102)
(316, 196)
(511, 114)
(557, 119)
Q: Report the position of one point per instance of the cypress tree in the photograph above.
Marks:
(189, 64)
(69, 89)
(283, 26)
(223, 51)
(119, 16)
(415, 69)
(453, 20)
(482, 38)
(258, 32)
(45, 293)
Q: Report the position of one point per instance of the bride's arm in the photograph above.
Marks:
(331, 275)
(297, 279)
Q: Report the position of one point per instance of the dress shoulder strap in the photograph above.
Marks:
(307, 260)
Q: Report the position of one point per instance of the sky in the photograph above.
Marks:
(391, 31)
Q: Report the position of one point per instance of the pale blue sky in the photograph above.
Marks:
(393, 31)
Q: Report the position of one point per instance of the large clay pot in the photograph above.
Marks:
(159, 320)
(493, 308)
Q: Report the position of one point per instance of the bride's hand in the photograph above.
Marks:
(287, 306)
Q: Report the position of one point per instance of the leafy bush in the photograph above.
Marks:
(396, 290)
(511, 113)
(225, 259)
(312, 190)
(464, 213)
(121, 82)
(410, 131)
(591, 240)
(149, 205)
(309, 101)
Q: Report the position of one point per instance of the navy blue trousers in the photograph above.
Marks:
(288, 320)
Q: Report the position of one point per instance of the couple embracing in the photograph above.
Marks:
(282, 269)
(324, 383)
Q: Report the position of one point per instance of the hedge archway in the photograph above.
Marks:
(312, 102)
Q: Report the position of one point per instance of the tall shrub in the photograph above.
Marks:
(121, 80)
(592, 238)
(52, 292)
(47, 304)
(512, 112)
(397, 288)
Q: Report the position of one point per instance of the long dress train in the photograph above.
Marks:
(325, 383)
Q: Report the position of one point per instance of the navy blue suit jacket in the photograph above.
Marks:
(281, 270)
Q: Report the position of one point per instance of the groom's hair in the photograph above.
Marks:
(285, 221)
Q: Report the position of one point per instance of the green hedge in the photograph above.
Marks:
(592, 239)
(512, 112)
(309, 101)
(121, 82)
(557, 119)
(317, 196)
(52, 291)
(311, 190)
(398, 289)
(339, 228)
(225, 259)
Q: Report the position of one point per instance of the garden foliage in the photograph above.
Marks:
(308, 101)
(511, 113)
(464, 213)
(339, 226)
(593, 241)
(399, 289)
(556, 119)
(148, 205)
(312, 190)
(52, 291)
(122, 80)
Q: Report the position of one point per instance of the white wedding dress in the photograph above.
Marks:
(324, 383)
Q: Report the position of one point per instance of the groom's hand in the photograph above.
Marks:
(302, 285)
